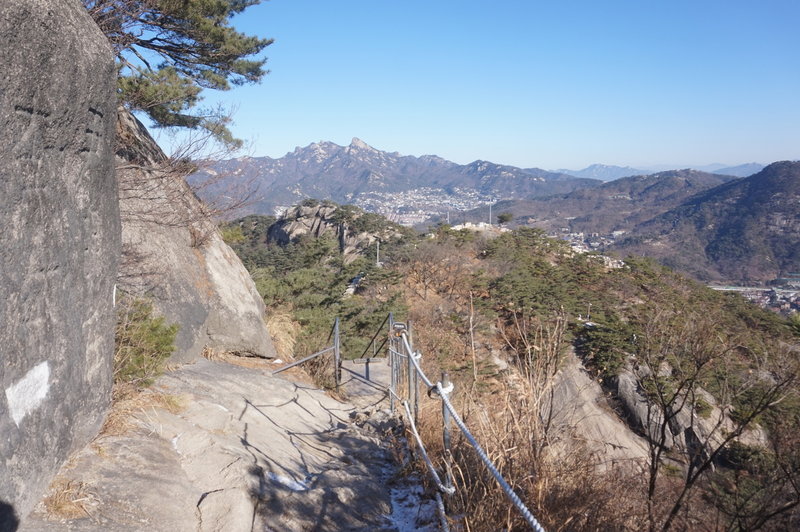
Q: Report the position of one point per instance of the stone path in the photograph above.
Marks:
(240, 450)
(366, 384)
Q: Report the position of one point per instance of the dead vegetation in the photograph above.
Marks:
(68, 499)
(284, 330)
(508, 414)
(132, 402)
(568, 485)
(500, 316)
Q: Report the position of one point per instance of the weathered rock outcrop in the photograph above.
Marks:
(173, 253)
(245, 451)
(60, 243)
(328, 219)
(581, 413)
(689, 431)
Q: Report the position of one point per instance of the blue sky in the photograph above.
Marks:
(550, 84)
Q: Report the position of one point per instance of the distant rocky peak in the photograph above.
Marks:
(322, 147)
(435, 159)
(358, 144)
(604, 172)
(480, 165)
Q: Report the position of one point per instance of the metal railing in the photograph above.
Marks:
(337, 355)
(374, 347)
(406, 375)
(404, 390)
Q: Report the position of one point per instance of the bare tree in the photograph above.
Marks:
(678, 356)
(538, 345)
(153, 187)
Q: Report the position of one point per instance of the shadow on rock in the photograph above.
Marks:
(8, 518)
(350, 491)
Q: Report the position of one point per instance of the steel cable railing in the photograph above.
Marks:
(526, 513)
(336, 348)
(400, 349)
(431, 468)
(443, 391)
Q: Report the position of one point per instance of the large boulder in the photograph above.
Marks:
(641, 414)
(581, 415)
(174, 255)
(691, 431)
(341, 223)
(60, 241)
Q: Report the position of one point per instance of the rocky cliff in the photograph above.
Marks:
(60, 243)
(353, 229)
(173, 253)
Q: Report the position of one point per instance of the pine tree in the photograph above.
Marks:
(168, 51)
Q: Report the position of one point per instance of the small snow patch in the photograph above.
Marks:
(287, 482)
(411, 510)
(175, 443)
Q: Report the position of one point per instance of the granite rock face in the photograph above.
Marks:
(174, 255)
(60, 241)
(319, 220)
(581, 413)
(690, 431)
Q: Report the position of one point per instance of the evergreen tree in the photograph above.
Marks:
(168, 51)
(504, 217)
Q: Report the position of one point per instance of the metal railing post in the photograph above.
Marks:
(304, 359)
(412, 381)
(337, 362)
(413, 389)
(392, 361)
(448, 482)
(401, 337)
(416, 396)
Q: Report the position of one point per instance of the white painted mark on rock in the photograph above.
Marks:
(27, 394)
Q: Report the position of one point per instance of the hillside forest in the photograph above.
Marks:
(700, 387)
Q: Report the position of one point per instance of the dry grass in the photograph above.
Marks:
(68, 499)
(215, 355)
(129, 402)
(283, 331)
(320, 370)
(316, 372)
(565, 491)
(174, 404)
(249, 362)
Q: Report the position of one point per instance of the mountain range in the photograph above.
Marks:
(744, 230)
(603, 172)
(716, 228)
(389, 182)
(614, 206)
(356, 173)
(713, 225)
(606, 172)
